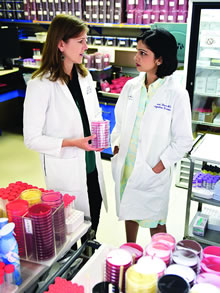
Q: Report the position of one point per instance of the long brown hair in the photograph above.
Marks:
(63, 27)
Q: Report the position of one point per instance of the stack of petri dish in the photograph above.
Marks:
(134, 249)
(16, 210)
(41, 216)
(33, 196)
(101, 130)
(159, 249)
(185, 272)
(152, 265)
(187, 258)
(117, 262)
(140, 281)
(192, 245)
(165, 238)
(55, 201)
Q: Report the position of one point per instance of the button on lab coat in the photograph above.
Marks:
(165, 134)
(50, 114)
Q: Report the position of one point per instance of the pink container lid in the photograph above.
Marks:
(211, 251)
(52, 197)
(165, 238)
(133, 249)
(161, 250)
(211, 264)
(18, 206)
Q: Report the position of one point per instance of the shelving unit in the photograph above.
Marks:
(207, 150)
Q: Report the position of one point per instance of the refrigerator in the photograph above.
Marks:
(202, 65)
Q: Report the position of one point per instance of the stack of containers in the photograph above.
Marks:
(55, 201)
(98, 61)
(138, 280)
(117, 263)
(150, 11)
(46, 10)
(32, 195)
(101, 130)
(43, 231)
(16, 210)
(12, 192)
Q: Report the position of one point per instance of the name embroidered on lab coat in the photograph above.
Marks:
(163, 107)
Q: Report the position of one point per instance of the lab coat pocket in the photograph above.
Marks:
(114, 166)
(144, 178)
(62, 174)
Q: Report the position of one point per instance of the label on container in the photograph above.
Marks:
(181, 2)
(162, 2)
(171, 4)
(180, 17)
(88, 3)
(170, 17)
(95, 3)
(28, 226)
(131, 2)
(118, 5)
(154, 2)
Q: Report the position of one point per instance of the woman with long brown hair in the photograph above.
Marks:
(60, 103)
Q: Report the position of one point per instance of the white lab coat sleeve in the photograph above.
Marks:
(120, 108)
(181, 131)
(36, 103)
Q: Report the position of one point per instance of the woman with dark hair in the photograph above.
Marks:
(60, 103)
(152, 132)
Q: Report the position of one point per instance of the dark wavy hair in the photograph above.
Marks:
(163, 44)
(63, 27)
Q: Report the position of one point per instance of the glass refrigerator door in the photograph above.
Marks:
(205, 92)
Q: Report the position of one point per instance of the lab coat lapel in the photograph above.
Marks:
(66, 92)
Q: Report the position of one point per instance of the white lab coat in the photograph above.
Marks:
(50, 114)
(165, 134)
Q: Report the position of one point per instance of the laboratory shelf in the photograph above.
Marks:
(205, 201)
(205, 150)
(205, 123)
(110, 95)
(211, 237)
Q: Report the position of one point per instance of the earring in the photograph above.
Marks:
(158, 64)
(62, 57)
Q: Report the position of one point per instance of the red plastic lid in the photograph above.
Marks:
(2, 265)
(40, 209)
(9, 269)
(2, 272)
(18, 205)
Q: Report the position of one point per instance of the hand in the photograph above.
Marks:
(82, 143)
(158, 168)
(116, 150)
